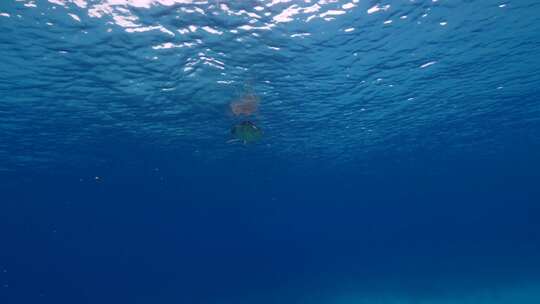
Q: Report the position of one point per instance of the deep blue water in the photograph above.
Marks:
(399, 163)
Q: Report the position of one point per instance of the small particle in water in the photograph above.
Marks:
(75, 17)
(425, 65)
(499, 88)
(97, 178)
(443, 23)
(502, 5)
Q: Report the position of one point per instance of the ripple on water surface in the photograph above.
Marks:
(340, 80)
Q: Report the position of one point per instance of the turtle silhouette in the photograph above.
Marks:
(246, 132)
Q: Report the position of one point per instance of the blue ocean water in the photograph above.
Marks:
(399, 161)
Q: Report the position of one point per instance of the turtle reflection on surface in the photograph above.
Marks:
(245, 105)
(247, 132)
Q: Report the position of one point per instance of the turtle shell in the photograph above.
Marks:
(246, 131)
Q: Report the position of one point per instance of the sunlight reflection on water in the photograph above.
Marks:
(338, 79)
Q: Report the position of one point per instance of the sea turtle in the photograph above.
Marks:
(246, 132)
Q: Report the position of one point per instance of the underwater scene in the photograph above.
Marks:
(270, 151)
